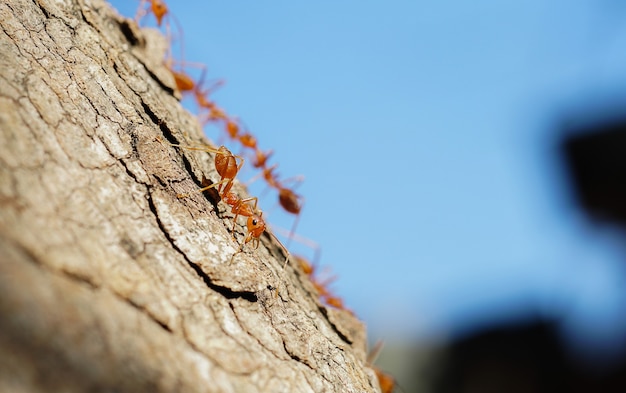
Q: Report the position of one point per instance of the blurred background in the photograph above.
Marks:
(464, 172)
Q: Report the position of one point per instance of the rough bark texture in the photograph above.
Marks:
(108, 282)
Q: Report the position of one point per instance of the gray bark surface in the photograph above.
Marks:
(108, 281)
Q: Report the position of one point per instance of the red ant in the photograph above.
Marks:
(325, 295)
(184, 82)
(248, 140)
(268, 173)
(201, 96)
(157, 7)
(160, 10)
(261, 157)
(240, 207)
(287, 198)
(386, 381)
(310, 269)
(227, 167)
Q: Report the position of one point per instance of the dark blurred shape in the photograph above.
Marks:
(522, 358)
(530, 357)
(595, 156)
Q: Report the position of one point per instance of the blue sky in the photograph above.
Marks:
(426, 131)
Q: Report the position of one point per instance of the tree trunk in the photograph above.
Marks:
(108, 281)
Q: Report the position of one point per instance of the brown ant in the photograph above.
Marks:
(232, 128)
(201, 95)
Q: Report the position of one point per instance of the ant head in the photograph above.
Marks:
(256, 225)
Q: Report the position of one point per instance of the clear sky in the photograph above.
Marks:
(427, 134)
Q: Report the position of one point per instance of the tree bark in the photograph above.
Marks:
(108, 281)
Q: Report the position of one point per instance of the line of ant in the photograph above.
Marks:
(226, 162)
(321, 280)
(386, 381)
(227, 166)
(210, 112)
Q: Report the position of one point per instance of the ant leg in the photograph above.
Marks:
(291, 203)
(239, 210)
(207, 149)
(141, 11)
(293, 228)
(287, 253)
(313, 245)
(203, 189)
(255, 199)
(214, 86)
(268, 175)
(298, 179)
(180, 37)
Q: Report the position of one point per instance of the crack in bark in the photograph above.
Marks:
(232, 307)
(129, 31)
(342, 336)
(73, 276)
(224, 291)
(296, 357)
